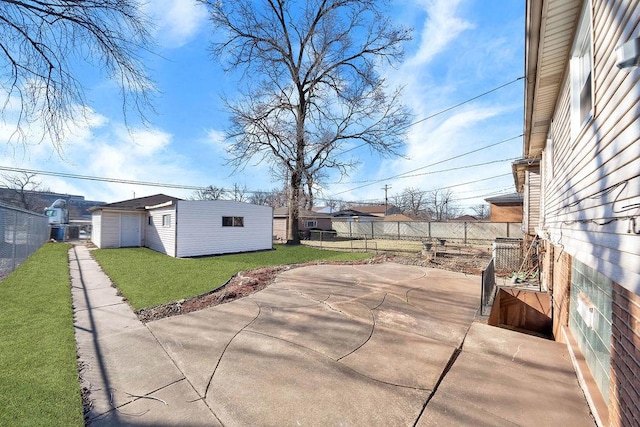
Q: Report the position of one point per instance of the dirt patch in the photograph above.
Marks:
(248, 282)
(458, 262)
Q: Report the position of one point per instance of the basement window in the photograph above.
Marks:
(233, 221)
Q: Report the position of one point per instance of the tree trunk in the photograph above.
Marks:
(293, 235)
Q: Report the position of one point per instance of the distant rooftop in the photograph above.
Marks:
(140, 202)
(513, 198)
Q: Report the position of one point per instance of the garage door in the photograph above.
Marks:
(129, 230)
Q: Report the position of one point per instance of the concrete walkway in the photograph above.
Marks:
(324, 345)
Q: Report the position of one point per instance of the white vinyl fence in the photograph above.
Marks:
(451, 231)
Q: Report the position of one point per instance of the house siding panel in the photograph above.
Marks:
(110, 230)
(591, 200)
(200, 230)
(280, 228)
(531, 202)
(158, 236)
(96, 227)
(596, 176)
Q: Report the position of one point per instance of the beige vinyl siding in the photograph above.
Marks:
(159, 237)
(596, 181)
(280, 228)
(200, 230)
(110, 230)
(531, 201)
(96, 228)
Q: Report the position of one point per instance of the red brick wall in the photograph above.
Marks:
(512, 213)
(624, 396)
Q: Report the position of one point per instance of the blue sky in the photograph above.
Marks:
(460, 49)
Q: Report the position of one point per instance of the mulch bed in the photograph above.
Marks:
(248, 282)
(240, 285)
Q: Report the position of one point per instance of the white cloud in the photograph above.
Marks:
(440, 28)
(176, 21)
(216, 139)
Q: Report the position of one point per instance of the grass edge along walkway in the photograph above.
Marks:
(38, 359)
(148, 278)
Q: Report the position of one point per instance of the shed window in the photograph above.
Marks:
(233, 221)
(581, 74)
(150, 220)
(166, 220)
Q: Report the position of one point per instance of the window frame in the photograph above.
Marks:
(166, 220)
(581, 73)
(233, 221)
(311, 223)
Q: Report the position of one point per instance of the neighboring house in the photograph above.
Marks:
(183, 228)
(354, 214)
(580, 176)
(377, 210)
(307, 220)
(398, 217)
(505, 208)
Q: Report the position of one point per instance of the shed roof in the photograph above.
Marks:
(137, 204)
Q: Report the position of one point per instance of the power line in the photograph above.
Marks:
(405, 174)
(443, 111)
(429, 173)
(102, 179)
(464, 102)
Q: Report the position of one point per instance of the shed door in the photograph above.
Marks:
(129, 229)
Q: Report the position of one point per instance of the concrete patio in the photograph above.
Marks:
(380, 344)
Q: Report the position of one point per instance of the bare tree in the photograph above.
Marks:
(312, 88)
(239, 193)
(209, 193)
(441, 204)
(412, 202)
(23, 187)
(41, 44)
(481, 211)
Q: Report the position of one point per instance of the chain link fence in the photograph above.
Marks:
(22, 233)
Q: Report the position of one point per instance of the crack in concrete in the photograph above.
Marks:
(206, 391)
(337, 361)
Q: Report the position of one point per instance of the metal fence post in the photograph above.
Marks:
(465, 232)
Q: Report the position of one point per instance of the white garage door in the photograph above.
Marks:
(129, 230)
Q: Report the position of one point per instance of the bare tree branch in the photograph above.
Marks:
(311, 86)
(43, 42)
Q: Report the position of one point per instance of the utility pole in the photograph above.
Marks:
(386, 200)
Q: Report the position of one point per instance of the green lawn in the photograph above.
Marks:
(147, 278)
(38, 368)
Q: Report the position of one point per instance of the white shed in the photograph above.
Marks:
(183, 228)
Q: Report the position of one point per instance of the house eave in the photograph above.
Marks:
(519, 167)
(550, 29)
